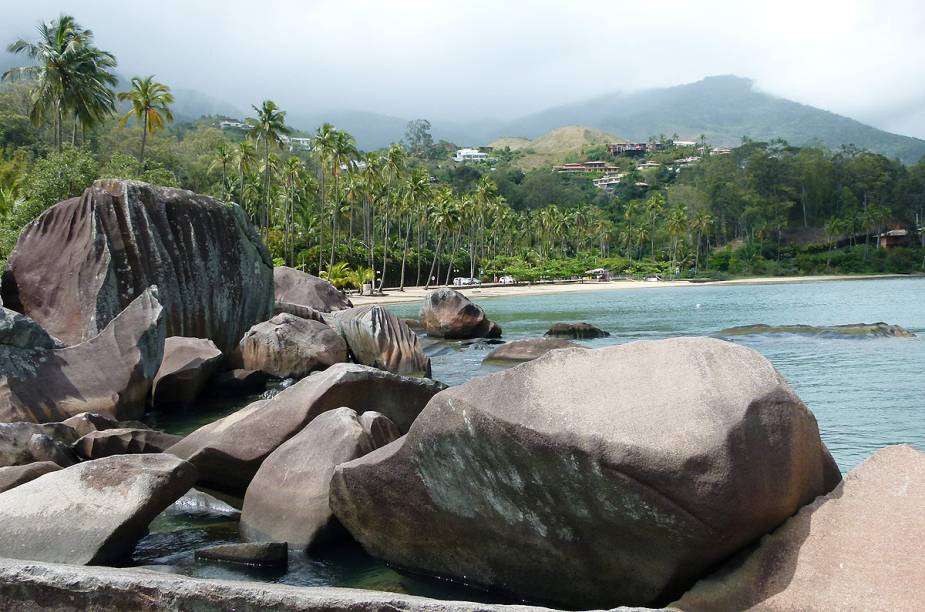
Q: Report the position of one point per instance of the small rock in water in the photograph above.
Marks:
(267, 554)
(199, 503)
(853, 330)
(576, 331)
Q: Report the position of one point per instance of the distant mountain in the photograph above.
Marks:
(724, 109)
(190, 104)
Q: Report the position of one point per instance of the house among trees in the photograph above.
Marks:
(588, 166)
(895, 238)
(463, 155)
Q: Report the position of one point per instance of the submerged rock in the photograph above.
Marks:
(527, 350)
(266, 554)
(297, 287)
(854, 330)
(576, 331)
(857, 548)
(85, 259)
(450, 314)
(110, 373)
(187, 366)
(123, 441)
(229, 451)
(15, 475)
(91, 513)
(580, 478)
(378, 338)
(288, 498)
(289, 346)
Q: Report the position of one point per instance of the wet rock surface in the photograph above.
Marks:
(853, 330)
(268, 554)
(519, 351)
(576, 331)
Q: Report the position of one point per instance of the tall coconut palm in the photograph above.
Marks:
(224, 157)
(245, 158)
(150, 106)
(416, 191)
(342, 157)
(270, 127)
(395, 160)
(293, 177)
(69, 75)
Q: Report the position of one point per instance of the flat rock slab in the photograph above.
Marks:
(85, 259)
(15, 475)
(858, 548)
(519, 351)
(93, 512)
(265, 554)
(576, 331)
(852, 330)
(229, 451)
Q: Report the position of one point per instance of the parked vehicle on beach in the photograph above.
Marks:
(506, 280)
(462, 281)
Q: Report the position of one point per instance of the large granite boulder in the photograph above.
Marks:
(379, 427)
(90, 513)
(22, 342)
(450, 314)
(85, 259)
(291, 347)
(14, 475)
(25, 443)
(229, 451)
(576, 331)
(123, 441)
(187, 366)
(582, 478)
(378, 338)
(85, 422)
(857, 548)
(527, 350)
(110, 373)
(287, 501)
(238, 382)
(297, 287)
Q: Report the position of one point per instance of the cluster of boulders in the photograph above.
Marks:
(637, 475)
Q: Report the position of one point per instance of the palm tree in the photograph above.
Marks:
(270, 127)
(224, 155)
(395, 160)
(343, 155)
(245, 158)
(69, 75)
(416, 191)
(150, 105)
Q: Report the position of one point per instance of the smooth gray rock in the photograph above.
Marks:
(576, 331)
(380, 428)
(287, 346)
(123, 441)
(297, 287)
(187, 366)
(84, 260)
(583, 478)
(266, 554)
(85, 422)
(93, 512)
(450, 314)
(287, 501)
(378, 338)
(229, 451)
(852, 330)
(37, 587)
(25, 443)
(857, 548)
(527, 350)
(22, 341)
(15, 475)
(110, 373)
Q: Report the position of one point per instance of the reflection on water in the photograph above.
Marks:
(866, 393)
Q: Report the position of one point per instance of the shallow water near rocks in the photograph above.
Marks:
(865, 392)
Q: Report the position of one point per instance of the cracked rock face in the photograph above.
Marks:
(85, 259)
(591, 478)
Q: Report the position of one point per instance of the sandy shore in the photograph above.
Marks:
(416, 294)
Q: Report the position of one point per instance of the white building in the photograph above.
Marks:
(233, 125)
(470, 155)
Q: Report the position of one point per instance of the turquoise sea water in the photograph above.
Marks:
(865, 392)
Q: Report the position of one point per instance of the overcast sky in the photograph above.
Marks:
(468, 59)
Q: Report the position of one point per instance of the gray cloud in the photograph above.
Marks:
(481, 59)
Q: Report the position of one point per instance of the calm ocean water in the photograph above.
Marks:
(865, 392)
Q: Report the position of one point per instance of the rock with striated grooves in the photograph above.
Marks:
(110, 373)
(187, 366)
(581, 478)
(123, 441)
(90, 513)
(265, 554)
(852, 330)
(287, 346)
(287, 501)
(450, 314)
(14, 475)
(297, 287)
(85, 259)
(229, 451)
(527, 350)
(576, 331)
(378, 338)
(857, 548)
(380, 428)
(25, 443)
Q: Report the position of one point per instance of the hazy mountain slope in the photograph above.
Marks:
(724, 109)
(552, 146)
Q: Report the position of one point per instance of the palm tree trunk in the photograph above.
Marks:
(144, 137)
(385, 250)
(334, 219)
(404, 254)
(430, 275)
(265, 213)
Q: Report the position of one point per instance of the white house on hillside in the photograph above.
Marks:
(470, 155)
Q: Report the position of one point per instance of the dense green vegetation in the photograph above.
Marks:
(407, 215)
